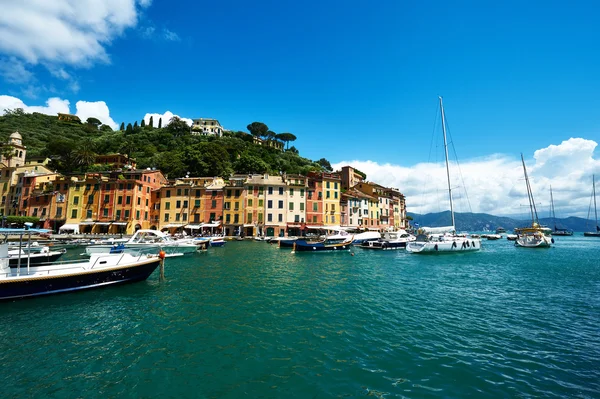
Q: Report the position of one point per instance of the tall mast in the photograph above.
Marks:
(532, 208)
(594, 191)
(447, 167)
(552, 206)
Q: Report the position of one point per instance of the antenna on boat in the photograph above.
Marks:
(446, 153)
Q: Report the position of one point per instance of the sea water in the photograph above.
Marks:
(253, 320)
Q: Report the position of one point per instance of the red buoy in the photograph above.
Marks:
(162, 254)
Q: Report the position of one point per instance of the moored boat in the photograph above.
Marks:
(325, 245)
(597, 232)
(151, 240)
(390, 241)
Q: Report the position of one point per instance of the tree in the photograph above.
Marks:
(160, 123)
(95, 122)
(135, 125)
(122, 126)
(325, 164)
(286, 138)
(151, 121)
(207, 159)
(62, 150)
(106, 129)
(293, 150)
(248, 163)
(270, 135)
(129, 129)
(178, 127)
(143, 123)
(128, 147)
(257, 129)
(85, 154)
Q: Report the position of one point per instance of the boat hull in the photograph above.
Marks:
(37, 285)
(443, 247)
(591, 234)
(133, 248)
(36, 259)
(383, 245)
(303, 246)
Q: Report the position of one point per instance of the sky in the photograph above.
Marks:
(357, 83)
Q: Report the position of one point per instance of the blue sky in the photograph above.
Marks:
(353, 81)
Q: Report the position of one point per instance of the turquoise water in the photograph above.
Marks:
(251, 320)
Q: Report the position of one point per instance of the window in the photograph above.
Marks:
(197, 203)
(129, 186)
(250, 189)
(214, 193)
(168, 193)
(128, 200)
(213, 204)
(185, 204)
(212, 217)
(88, 214)
(88, 186)
(260, 218)
(137, 215)
(139, 201)
(280, 205)
(74, 214)
(227, 205)
(335, 194)
(237, 193)
(249, 202)
(185, 217)
(126, 214)
(146, 201)
(296, 218)
(166, 217)
(59, 212)
(269, 204)
(229, 193)
(236, 205)
(327, 194)
(327, 185)
(90, 199)
(96, 187)
(177, 204)
(236, 218)
(314, 219)
(105, 212)
(167, 206)
(228, 218)
(280, 218)
(75, 200)
(186, 191)
(121, 186)
(332, 207)
(197, 193)
(118, 215)
(291, 206)
(260, 203)
(177, 217)
(270, 190)
(269, 217)
(335, 185)
(315, 206)
(261, 190)
(291, 192)
(302, 206)
(280, 190)
(178, 192)
(249, 218)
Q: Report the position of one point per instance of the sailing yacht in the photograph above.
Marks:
(597, 232)
(557, 231)
(433, 240)
(534, 236)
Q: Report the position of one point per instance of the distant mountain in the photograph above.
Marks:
(485, 222)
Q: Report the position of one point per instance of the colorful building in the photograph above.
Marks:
(233, 205)
(296, 204)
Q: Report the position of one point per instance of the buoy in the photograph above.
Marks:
(351, 253)
(162, 255)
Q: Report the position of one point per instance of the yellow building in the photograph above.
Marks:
(254, 209)
(331, 199)
(233, 205)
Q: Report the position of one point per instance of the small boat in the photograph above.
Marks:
(152, 240)
(511, 237)
(42, 254)
(493, 236)
(325, 245)
(443, 239)
(391, 240)
(534, 236)
(27, 280)
(500, 230)
(597, 232)
(366, 236)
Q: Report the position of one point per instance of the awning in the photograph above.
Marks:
(87, 223)
(74, 227)
(103, 223)
(192, 226)
(249, 225)
(215, 224)
(172, 225)
(119, 223)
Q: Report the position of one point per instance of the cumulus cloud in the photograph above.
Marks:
(166, 117)
(63, 32)
(495, 184)
(55, 105)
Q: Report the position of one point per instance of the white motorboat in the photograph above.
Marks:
(366, 236)
(443, 239)
(151, 240)
(391, 240)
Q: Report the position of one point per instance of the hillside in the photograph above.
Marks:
(485, 222)
(72, 146)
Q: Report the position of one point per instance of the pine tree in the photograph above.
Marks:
(122, 126)
(135, 125)
(129, 129)
(143, 123)
(160, 123)
(151, 122)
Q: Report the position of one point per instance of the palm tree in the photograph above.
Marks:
(85, 155)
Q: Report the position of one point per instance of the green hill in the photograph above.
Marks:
(72, 146)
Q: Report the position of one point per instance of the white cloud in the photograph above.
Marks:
(95, 109)
(170, 36)
(166, 117)
(495, 184)
(15, 71)
(55, 105)
(59, 33)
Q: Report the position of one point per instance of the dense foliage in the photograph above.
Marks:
(173, 149)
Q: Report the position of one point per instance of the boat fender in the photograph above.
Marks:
(435, 247)
(383, 246)
(552, 240)
(454, 244)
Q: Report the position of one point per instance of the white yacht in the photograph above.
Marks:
(146, 239)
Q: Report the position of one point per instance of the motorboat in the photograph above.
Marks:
(366, 236)
(390, 241)
(511, 237)
(34, 255)
(152, 240)
(325, 245)
(493, 236)
(28, 280)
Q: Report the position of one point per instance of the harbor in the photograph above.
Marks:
(252, 320)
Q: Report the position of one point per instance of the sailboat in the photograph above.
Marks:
(433, 240)
(534, 236)
(557, 231)
(597, 232)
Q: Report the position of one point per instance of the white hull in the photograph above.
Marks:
(534, 242)
(447, 246)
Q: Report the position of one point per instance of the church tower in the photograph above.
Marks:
(13, 153)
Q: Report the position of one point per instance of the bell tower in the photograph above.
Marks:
(13, 153)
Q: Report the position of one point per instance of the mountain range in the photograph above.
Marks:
(486, 222)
